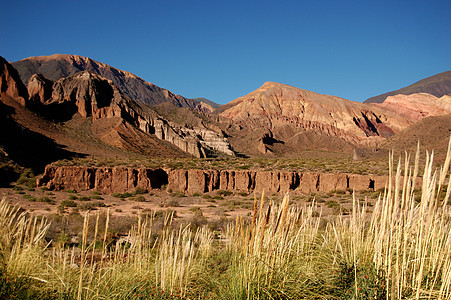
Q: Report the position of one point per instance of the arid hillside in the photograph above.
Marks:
(437, 85)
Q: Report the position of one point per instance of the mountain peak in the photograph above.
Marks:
(57, 66)
(437, 85)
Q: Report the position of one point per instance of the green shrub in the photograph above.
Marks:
(46, 200)
(122, 195)
(139, 198)
(177, 194)
(29, 198)
(68, 203)
(140, 191)
(224, 193)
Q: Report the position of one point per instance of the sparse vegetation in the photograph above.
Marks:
(399, 251)
(122, 195)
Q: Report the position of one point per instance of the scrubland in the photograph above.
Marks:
(399, 248)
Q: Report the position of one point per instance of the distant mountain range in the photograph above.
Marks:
(437, 85)
(80, 107)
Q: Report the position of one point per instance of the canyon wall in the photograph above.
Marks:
(122, 179)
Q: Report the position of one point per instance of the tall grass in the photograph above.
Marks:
(399, 250)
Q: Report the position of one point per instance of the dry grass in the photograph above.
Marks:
(400, 250)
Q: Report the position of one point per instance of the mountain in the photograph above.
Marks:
(417, 106)
(277, 117)
(432, 132)
(58, 66)
(87, 114)
(437, 85)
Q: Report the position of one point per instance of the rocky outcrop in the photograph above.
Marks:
(91, 95)
(122, 179)
(11, 84)
(39, 89)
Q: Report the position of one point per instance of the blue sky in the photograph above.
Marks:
(222, 50)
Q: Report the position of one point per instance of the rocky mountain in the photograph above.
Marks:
(278, 114)
(417, 106)
(437, 85)
(59, 66)
(92, 108)
(432, 132)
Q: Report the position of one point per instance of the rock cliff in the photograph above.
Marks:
(11, 84)
(92, 95)
(122, 179)
(59, 66)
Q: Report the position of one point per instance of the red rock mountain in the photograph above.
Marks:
(437, 85)
(417, 106)
(284, 114)
(59, 66)
(91, 95)
(94, 111)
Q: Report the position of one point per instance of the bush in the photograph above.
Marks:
(122, 195)
(29, 198)
(46, 200)
(224, 193)
(139, 198)
(140, 191)
(177, 194)
(68, 203)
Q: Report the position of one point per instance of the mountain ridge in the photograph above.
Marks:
(57, 66)
(437, 85)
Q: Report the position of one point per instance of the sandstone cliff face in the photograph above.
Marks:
(122, 179)
(275, 105)
(39, 89)
(94, 96)
(11, 84)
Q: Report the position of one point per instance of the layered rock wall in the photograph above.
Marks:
(122, 179)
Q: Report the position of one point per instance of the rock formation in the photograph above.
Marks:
(39, 89)
(122, 179)
(59, 66)
(10, 83)
(287, 111)
(92, 95)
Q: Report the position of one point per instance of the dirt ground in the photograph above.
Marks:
(213, 205)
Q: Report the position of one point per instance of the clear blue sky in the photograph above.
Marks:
(222, 50)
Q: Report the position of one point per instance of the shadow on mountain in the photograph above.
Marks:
(28, 148)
